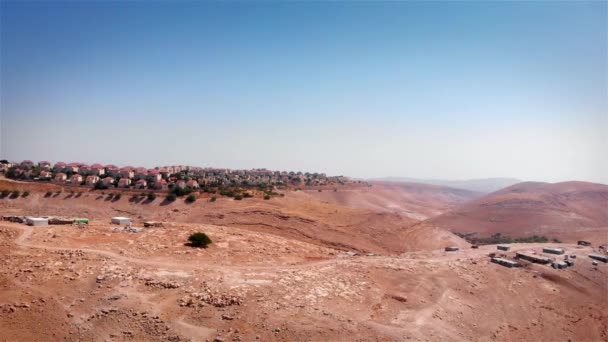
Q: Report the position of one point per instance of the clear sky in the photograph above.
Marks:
(449, 90)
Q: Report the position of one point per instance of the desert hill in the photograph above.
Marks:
(559, 210)
(483, 185)
(417, 201)
(298, 215)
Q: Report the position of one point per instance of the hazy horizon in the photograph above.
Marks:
(454, 91)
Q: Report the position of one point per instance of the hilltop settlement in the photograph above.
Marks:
(159, 178)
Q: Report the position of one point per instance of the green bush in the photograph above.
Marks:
(151, 196)
(25, 194)
(213, 198)
(238, 197)
(117, 196)
(266, 197)
(191, 198)
(15, 194)
(5, 193)
(199, 240)
(171, 197)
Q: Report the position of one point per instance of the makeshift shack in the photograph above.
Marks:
(121, 220)
(37, 221)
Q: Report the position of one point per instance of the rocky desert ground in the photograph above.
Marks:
(308, 266)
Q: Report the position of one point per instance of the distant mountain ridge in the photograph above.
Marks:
(567, 210)
(484, 185)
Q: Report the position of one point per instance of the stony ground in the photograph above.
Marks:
(66, 283)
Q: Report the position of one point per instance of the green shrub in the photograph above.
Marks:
(191, 198)
(117, 196)
(266, 197)
(199, 240)
(238, 197)
(151, 196)
(5, 193)
(15, 194)
(171, 197)
(213, 198)
(25, 194)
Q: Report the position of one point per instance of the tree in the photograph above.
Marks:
(266, 197)
(191, 198)
(25, 194)
(100, 186)
(15, 194)
(213, 198)
(151, 196)
(199, 240)
(238, 197)
(117, 196)
(170, 197)
(48, 194)
(5, 193)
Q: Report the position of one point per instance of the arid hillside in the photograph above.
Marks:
(417, 201)
(567, 210)
(95, 284)
(297, 215)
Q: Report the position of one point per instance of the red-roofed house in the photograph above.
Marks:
(59, 166)
(124, 182)
(92, 179)
(154, 176)
(108, 181)
(97, 169)
(44, 164)
(61, 177)
(74, 167)
(46, 174)
(141, 184)
(127, 172)
(76, 179)
(192, 183)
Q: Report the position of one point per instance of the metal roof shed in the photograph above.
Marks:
(37, 221)
(121, 220)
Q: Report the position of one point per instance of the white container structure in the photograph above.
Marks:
(121, 220)
(37, 221)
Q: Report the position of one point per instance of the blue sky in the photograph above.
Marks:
(447, 90)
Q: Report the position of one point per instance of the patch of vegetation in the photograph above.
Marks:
(266, 197)
(151, 196)
(498, 238)
(117, 196)
(171, 197)
(5, 193)
(15, 194)
(25, 194)
(100, 186)
(48, 194)
(191, 198)
(199, 240)
(238, 197)
(213, 199)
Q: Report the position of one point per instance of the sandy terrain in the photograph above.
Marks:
(278, 270)
(568, 211)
